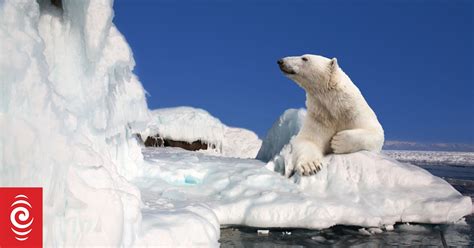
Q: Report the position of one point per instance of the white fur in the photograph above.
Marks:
(339, 119)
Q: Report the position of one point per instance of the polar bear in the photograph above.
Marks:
(338, 118)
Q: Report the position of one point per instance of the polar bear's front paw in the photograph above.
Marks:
(306, 168)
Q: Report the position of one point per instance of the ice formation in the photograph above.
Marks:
(240, 143)
(287, 126)
(186, 124)
(193, 124)
(69, 104)
(193, 193)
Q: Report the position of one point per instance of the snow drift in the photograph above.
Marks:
(192, 124)
(69, 105)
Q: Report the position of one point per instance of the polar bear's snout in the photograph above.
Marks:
(284, 67)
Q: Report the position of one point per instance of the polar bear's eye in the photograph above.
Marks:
(304, 59)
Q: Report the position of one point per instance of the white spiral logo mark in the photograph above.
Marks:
(20, 217)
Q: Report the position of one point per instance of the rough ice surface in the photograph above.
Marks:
(196, 193)
(193, 124)
(69, 104)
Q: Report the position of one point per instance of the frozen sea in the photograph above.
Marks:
(442, 164)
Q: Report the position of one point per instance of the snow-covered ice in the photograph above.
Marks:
(69, 104)
(192, 124)
(198, 193)
(186, 124)
(240, 143)
(287, 126)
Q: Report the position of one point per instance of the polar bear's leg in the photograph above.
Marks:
(309, 147)
(354, 140)
(307, 157)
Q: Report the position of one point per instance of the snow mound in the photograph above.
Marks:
(362, 189)
(69, 105)
(192, 124)
(186, 124)
(287, 126)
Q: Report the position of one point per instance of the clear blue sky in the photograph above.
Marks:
(412, 60)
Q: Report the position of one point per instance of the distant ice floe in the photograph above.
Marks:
(422, 146)
(433, 157)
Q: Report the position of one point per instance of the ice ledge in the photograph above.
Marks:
(362, 189)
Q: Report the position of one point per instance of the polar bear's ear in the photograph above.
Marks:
(332, 82)
(334, 64)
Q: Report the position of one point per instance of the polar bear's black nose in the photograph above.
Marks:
(280, 62)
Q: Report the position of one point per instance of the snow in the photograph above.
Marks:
(69, 104)
(199, 192)
(240, 143)
(186, 124)
(193, 124)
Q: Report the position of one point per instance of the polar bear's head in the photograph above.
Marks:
(312, 72)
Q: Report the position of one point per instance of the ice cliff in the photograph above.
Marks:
(69, 103)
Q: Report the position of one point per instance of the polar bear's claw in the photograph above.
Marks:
(309, 168)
